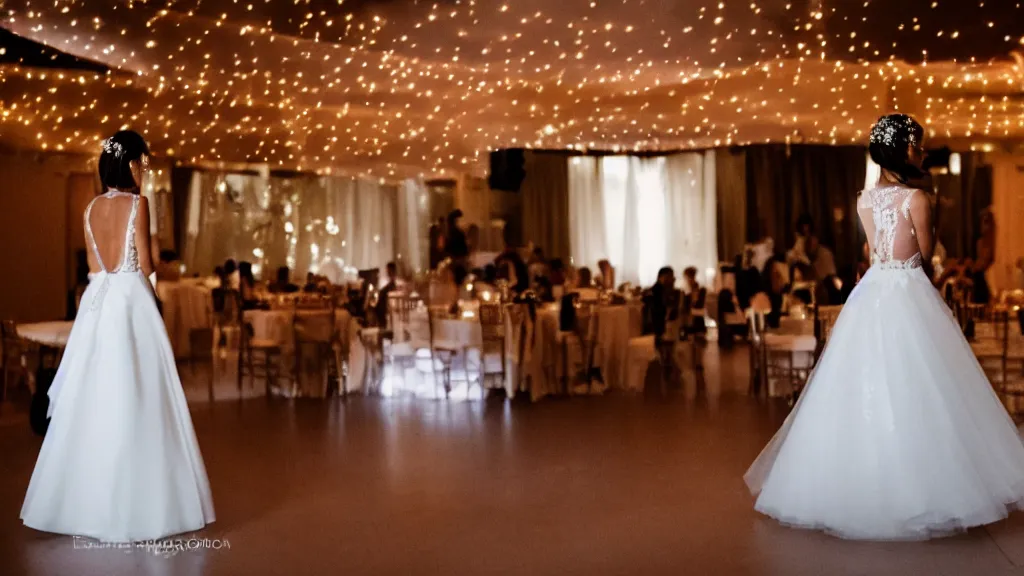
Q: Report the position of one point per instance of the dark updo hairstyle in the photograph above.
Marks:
(891, 136)
(119, 151)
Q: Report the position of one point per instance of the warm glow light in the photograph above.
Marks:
(423, 88)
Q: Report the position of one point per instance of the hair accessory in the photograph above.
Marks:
(888, 128)
(111, 147)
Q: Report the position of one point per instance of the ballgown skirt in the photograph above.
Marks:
(898, 434)
(120, 461)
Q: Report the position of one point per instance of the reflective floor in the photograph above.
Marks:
(619, 484)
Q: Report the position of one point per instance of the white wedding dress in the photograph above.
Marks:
(120, 462)
(898, 435)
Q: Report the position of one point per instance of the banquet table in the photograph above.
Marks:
(51, 334)
(52, 338)
(541, 366)
(413, 340)
(275, 325)
(187, 305)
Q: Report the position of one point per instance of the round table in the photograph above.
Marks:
(276, 325)
(51, 334)
(52, 338)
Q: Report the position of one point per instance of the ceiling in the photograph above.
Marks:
(402, 88)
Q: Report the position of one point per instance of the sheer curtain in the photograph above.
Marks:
(691, 213)
(330, 225)
(643, 213)
(586, 205)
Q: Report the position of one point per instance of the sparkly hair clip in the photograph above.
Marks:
(889, 128)
(111, 147)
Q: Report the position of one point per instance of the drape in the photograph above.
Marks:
(644, 213)
(731, 193)
(331, 225)
(961, 200)
(545, 202)
(785, 182)
(413, 225)
(691, 212)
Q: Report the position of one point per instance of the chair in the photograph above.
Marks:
(398, 336)
(314, 329)
(824, 320)
(493, 335)
(990, 338)
(13, 357)
(517, 318)
(440, 350)
(255, 353)
(227, 306)
(778, 356)
(341, 348)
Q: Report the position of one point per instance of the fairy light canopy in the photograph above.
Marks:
(395, 88)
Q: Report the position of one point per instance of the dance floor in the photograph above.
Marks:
(620, 484)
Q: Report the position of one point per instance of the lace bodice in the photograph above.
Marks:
(885, 214)
(130, 252)
(129, 263)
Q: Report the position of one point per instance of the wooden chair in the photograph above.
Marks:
(313, 329)
(441, 351)
(778, 356)
(400, 345)
(494, 335)
(257, 357)
(13, 358)
(990, 342)
(227, 306)
(824, 320)
(518, 316)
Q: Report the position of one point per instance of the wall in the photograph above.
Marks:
(34, 234)
(1008, 207)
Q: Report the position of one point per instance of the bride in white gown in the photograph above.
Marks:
(898, 434)
(120, 462)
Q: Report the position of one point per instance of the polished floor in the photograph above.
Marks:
(619, 484)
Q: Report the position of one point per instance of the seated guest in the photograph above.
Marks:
(490, 274)
(584, 279)
(169, 267)
(511, 267)
(283, 284)
(246, 284)
(537, 266)
(557, 272)
(823, 264)
(606, 278)
(311, 283)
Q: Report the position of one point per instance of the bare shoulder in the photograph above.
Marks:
(919, 198)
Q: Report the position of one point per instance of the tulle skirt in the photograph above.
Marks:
(898, 435)
(120, 461)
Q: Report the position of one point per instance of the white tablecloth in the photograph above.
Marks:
(793, 334)
(187, 305)
(616, 326)
(276, 325)
(53, 334)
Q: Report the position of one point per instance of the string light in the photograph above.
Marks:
(420, 88)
